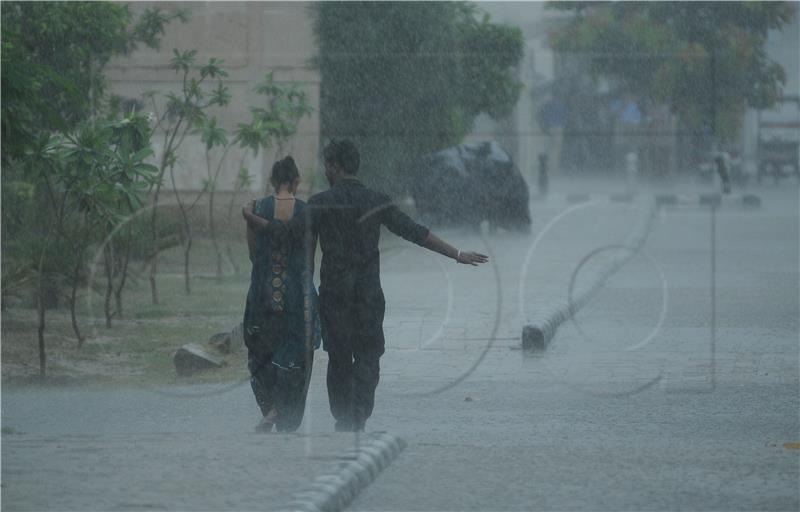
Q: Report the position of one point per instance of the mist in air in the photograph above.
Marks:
(400, 255)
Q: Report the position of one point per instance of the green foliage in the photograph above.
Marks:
(74, 165)
(53, 54)
(406, 78)
(187, 108)
(135, 233)
(243, 179)
(83, 183)
(275, 121)
(150, 27)
(491, 53)
(212, 134)
(706, 60)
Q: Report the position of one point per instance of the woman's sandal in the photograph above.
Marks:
(266, 423)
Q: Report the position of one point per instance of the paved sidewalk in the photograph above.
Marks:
(159, 470)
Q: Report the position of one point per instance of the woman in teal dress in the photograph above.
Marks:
(281, 320)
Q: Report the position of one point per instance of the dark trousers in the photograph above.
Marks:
(352, 332)
(280, 389)
(352, 378)
(277, 388)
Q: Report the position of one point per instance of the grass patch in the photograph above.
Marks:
(138, 348)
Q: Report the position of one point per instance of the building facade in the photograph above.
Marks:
(252, 39)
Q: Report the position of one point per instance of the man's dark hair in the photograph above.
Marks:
(284, 171)
(342, 152)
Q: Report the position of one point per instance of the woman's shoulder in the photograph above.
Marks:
(263, 205)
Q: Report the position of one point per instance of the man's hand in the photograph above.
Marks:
(436, 244)
(471, 258)
(247, 208)
(254, 222)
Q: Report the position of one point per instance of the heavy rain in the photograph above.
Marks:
(381, 256)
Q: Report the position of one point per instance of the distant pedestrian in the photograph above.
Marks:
(347, 220)
(281, 320)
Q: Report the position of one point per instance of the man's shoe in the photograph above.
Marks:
(343, 426)
(349, 426)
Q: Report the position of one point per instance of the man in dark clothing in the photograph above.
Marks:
(347, 219)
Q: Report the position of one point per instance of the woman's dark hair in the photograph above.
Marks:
(284, 171)
(342, 152)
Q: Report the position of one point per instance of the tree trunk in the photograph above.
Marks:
(154, 256)
(108, 254)
(118, 302)
(231, 259)
(123, 273)
(41, 306)
(228, 249)
(152, 278)
(187, 230)
(73, 298)
(186, 251)
(40, 330)
(168, 149)
(213, 230)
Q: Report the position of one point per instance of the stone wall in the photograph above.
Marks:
(253, 39)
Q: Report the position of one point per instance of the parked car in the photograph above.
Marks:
(778, 158)
(467, 184)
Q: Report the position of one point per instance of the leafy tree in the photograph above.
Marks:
(243, 182)
(406, 78)
(273, 123)
(213, 136)
(53, 55)
(71, 168)
(183, 112)
(705, 60)
(84, 176)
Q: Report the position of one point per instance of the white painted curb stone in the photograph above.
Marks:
(337, 487)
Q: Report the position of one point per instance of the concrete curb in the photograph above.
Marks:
(338, 486)
(538, 333)
(745, 201)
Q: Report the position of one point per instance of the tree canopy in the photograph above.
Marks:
(403, 79)
(706, 60)
(53, 54)
(74, 165)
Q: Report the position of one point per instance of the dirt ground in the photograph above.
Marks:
(141, 343)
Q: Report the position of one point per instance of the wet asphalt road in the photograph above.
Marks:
(634, 406)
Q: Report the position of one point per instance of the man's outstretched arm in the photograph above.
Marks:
(436, 244)
(402, 225)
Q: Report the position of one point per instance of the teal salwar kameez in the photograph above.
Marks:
(281, 323)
